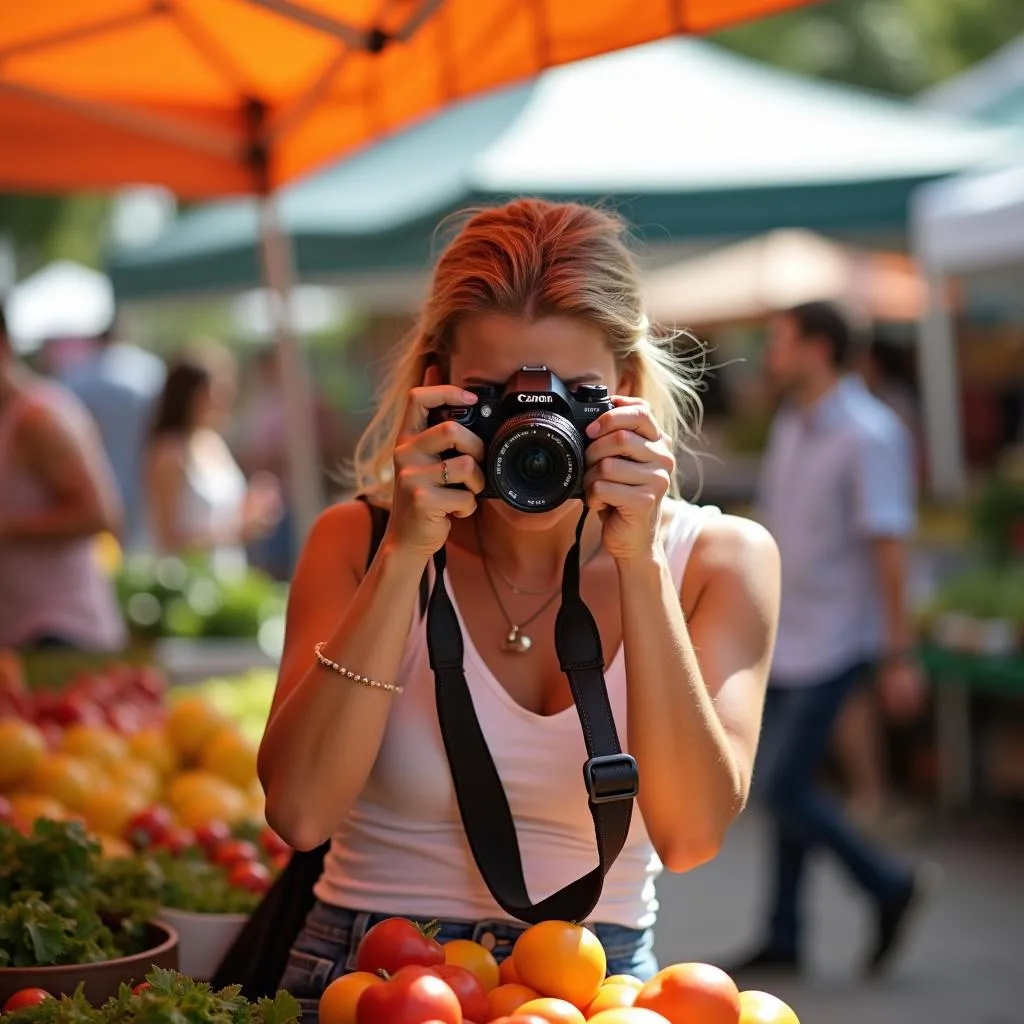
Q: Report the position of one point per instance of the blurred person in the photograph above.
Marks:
(119, 386)
(837, 492)
(262, 447)
(198, 497)
(57, 495)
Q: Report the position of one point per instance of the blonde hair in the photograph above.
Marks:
(533, 258)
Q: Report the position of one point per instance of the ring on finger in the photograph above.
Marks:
(444, 472)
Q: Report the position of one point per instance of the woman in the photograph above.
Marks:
(57, 495)
(529, 283)
(197, 496)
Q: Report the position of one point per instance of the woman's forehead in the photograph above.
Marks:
(491, 347)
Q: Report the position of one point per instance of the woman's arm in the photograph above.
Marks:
(325, 730)
(696, 688)
(72, 469)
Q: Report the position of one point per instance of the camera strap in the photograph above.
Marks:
(610, 776)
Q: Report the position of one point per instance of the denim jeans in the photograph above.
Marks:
(327, 946)
(798, 724)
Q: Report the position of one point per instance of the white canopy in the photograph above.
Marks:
(964, 224)
(972, 222)
(62, 300)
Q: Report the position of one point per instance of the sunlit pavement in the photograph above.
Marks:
(963, 962)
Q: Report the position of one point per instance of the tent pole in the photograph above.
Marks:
(940, 395)
(306, 492)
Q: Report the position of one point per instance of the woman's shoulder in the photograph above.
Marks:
(168, 451)
(731, 546)
(340, 535)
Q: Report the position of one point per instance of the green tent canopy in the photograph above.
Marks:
(688, 141)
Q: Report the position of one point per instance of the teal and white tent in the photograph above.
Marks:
(690, 142)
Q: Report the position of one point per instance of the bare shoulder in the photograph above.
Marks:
(733, 555)
(735, 542)
(168, 452)
(340, 537)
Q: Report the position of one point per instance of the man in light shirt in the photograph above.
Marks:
(837, 492)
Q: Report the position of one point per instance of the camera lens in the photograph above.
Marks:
(535, 464)
(535, 461)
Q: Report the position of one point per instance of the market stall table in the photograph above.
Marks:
(957, 677)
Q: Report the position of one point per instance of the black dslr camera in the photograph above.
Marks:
(533, 429)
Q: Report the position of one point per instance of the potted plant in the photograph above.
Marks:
(59, 929)
(165, 997)
(206, 902)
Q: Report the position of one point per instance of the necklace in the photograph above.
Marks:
(516, 641)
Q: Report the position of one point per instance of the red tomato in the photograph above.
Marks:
(413, 995)
(235, 851)
(251, 875)
(468, 990)
(396, 943)
(148, 827)
(26, 997)
(212, 834)
(141, 987)
(177, 840)
(273, 845)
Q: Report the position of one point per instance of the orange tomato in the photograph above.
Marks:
(67, 779)
(518, 1018)
(611, 996)
(474, 958)
(153, 745)
(504, 1000)
(629, 1015)
(507, 972)
(624, 979)
(97, 743)
(109, 809)
(22, 749)
(764, 1008)
(338, 1003)
(30, 807)
(554, 1011)
(561, 960)
(692, 994)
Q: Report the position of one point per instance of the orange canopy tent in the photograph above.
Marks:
(213, 97)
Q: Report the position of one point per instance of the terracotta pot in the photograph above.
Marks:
(102, 980)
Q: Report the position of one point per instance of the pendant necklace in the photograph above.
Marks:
(516, 641)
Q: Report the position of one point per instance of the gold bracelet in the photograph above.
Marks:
(324, 662)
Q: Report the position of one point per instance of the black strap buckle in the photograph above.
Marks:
(611, 777)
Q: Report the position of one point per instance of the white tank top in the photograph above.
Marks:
(403, 850)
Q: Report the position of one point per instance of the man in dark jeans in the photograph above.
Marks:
(837, 492)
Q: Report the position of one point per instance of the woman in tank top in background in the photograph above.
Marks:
(57, 495)
(686, 601)
(197, 496)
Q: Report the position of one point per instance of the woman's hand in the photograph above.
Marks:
(630, 467)
(263, 508)
(421, 503)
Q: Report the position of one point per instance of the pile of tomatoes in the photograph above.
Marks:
(556, 974)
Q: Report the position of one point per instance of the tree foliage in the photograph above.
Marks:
(893, 46)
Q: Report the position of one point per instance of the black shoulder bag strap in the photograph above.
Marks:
(610, 776)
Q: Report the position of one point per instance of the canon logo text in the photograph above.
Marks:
(535, 398)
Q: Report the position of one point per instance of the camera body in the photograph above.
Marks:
(534, 433)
